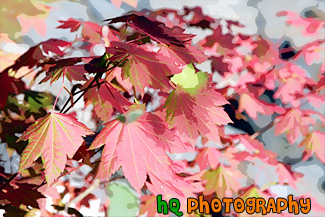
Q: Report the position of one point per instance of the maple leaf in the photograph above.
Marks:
(21, 193)
(222, 181)
(199, 19)
(104, 100)
(208, 157)
(294, 123)
(144, 68)
(137, 141)
(36, 54)
(158, 31)
(195, 106)
(224, 40)
(148, 206)
(102, 109)
(286, 175)
(53, 137)
(311, 26)
(9, 85)
(253, 106)
(76, 72)
(294, 79)
(253, 192)
(90, 31)
(252, 148)
(316, 100)
(71, 23)
(183, 55)
(314, 144)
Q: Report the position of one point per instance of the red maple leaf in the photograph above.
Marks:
(148, 206)
(35, 55)
(105, 100)
(223, 181)
(21, 193)
(138, 142)
(90, 31)
(144, 68)
(9, 85)
(183, 55)
(252, 106)
(72, 24)
(199, 19)
(294, 123)
(194, 106)
(75, 72)
(158, 31)
(314, 144)
(208, 157)
(53, 137)
(286, 175)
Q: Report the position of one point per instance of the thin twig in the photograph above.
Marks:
(98, 75)
(9, 180)
(92, 187)
(264, 129)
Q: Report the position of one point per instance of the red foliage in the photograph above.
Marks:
(153, 101)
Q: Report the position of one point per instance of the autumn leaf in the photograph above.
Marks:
(158, 31)
(137, 141)
(102, 109)
(9, 85)
(21, 193)
(71, 23)
(199, 19)
(252, 148)
(194, 107)
(90, 31)
(144, 68)
(252, 106)
(253, 192)
(53, 137)
(314, 144)
(183, 55)
(75, 72)
(208, 157)
(294, 123)
(286, 175)
(35, 55)
(293, 80)
(217, 37)
(105, 100)
(223, 181)
(148, 205)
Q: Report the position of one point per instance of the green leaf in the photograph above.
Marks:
(190, 81)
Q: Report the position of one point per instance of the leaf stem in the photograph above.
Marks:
(135, 95)
(136, 39)
(56, 100)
